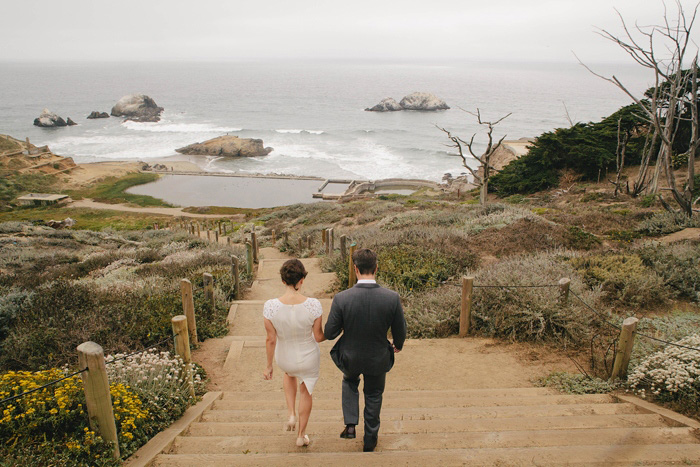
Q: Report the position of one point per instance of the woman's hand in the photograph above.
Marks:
(267, 374)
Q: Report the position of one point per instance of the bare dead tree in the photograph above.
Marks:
(620, 155)
(484, 160)
(663, 49)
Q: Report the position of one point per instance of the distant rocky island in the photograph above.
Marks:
(413, 101)
(48, 119)
(229, 146)
(137, 108)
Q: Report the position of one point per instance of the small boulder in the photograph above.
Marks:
(422, 101)
(230, 146)
(386, 105)
(138, 108)
(96, 114)
(70, 122)
(48, 119)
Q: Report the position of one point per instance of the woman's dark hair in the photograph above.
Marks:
(365, 260)
(292, 271)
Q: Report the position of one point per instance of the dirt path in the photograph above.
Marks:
(176, 212)
(236, 362)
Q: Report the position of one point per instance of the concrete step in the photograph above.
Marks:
(440, 413)
(335, 395)
(593, 455)
(209, 427)
(422, 441)
(455, 401)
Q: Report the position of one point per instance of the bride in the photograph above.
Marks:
(294, 329)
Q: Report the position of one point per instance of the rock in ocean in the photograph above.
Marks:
(70, 122)
(96, 114)
(423, 101)
(413, 101)
(138, 108)
(48, 119)
(386, 105)
(231, 146)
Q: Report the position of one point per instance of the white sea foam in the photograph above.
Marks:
(296, 132)
(166, 127)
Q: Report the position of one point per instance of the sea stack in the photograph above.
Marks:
(414, 101)
(386, 105)
(229, 146)
(48, 119)
(138, 108)
(95, 114)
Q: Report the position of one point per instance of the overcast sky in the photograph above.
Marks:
(433, 30)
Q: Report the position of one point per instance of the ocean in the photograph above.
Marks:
(311, 113)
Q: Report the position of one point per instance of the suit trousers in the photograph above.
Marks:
(373, 389)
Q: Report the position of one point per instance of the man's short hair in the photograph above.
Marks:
(365, 260)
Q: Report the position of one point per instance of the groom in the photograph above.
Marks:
(364, 314)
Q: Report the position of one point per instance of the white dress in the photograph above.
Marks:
(297, 353)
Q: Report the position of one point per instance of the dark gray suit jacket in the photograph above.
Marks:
(364, 314)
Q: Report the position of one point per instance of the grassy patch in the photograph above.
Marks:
(113, 190)
(226, 211)
(86, 219)
(12, 186)
(575, 383)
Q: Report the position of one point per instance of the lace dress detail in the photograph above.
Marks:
(297, 352)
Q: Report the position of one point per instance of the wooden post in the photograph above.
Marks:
(234, 273)
(254, 242)
(28, 145)
(309, 239)
(228, 240)
(188, 308)
(198, 233)
(624, 349)
(209, 288)
(249, 257)
(351, 273)
(216, 235)
(274, 237)
(564, 283)
(301, 244)
(208, 235)
(182, 345)
(465, 315)
(343, 251)
(219, 228)
(330, 242)
(286, 238)
(97, 396)
(324, 236)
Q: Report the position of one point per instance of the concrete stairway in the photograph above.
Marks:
(445, 405)
(521, 426)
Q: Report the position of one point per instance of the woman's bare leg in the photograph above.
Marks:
(305, 402)
(290, 393)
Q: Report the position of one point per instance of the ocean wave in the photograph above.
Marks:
(296, 131)
(164, 127)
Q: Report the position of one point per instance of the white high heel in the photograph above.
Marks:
(290, 425)
(301, 442)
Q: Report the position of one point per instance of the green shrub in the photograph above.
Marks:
(678, 266)
(532, 313)
(575, 383)
(647, 201)
(579, 239)
(433, 313)
(412, 268)
(624, 279)
(664, 223)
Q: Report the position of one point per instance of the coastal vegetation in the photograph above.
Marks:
(113, 190)
(59, 288)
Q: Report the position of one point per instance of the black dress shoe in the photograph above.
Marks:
(348, 432)
(370, 444)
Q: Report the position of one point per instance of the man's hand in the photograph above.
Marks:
(395, 349)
